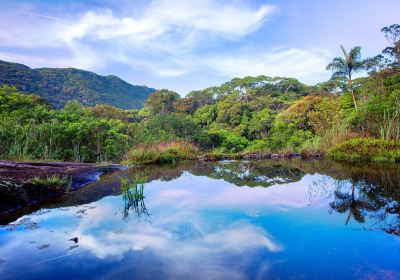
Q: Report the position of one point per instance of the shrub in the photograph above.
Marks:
(227, 142)
(162, 152)
(258, 146)
(366, 149)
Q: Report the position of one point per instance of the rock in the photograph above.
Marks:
(74, 239)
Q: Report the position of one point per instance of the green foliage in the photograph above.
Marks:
(227, 142)
(366, 149)
(206, 115)
(392, 34)
(60, 86)
(162, 102)
(245, 115)
(172, 126)
(133, 190)
(30, 130)
(52, 181)
(166, 152)
(297, 126)
(258, 146)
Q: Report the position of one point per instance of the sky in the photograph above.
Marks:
(192, 44)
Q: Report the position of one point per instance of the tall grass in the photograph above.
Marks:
(167, 152)
(390, 125)
(51, 181)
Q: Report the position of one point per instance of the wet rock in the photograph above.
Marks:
(19, 197)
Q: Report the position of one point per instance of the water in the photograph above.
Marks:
(271, 219)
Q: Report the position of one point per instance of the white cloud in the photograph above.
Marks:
(164, 39)
(170, 19)
(305, 64)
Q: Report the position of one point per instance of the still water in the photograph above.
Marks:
(276, 219)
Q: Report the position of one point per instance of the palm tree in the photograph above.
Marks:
(356, 206)
(347, 66)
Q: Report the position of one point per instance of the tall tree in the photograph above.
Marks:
(347, 66)
(162, 102)
(392, 34)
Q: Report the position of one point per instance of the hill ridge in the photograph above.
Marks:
(61, 85)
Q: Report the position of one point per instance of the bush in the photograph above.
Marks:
(168, 152)
(366, 149)
(228, 142)
(258, 146)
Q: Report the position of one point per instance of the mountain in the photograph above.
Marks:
(61, 85)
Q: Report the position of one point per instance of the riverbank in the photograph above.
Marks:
(22, 192)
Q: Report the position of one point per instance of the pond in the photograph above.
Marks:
(286, 219)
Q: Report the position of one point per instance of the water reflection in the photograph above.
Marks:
(133, 197)
(374, 195)
(295, 219)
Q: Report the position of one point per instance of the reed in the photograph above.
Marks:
(133, 190)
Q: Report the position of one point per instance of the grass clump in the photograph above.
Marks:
(133, 190)
(366, 149)
(167, 152)
(51, 181)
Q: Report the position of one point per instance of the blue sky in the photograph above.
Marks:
(192, 44)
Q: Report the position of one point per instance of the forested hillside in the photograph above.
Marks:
(61, 85)
(346, 118)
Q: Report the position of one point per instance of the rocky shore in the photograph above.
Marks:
(17, 193)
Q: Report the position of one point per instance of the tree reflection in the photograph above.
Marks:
(348, 201)
(363, 194)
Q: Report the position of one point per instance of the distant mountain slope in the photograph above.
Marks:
(61, 85)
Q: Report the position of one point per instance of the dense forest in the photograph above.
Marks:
(59, 86)
(345, 118)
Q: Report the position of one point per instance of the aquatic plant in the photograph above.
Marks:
(133, 190)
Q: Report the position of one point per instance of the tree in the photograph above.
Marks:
(335, 86)
(347, 66)
(392, 34)
(162, 102)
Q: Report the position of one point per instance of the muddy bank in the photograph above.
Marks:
(18, 195)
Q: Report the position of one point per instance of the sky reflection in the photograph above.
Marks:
(202, 228)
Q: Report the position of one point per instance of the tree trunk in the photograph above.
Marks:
(352, 91)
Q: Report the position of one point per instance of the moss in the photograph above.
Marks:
(366, 149)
